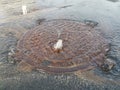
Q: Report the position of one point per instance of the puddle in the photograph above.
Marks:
(103, 13)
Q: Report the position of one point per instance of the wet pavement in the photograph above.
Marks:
(13, 25)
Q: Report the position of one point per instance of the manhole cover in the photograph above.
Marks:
(61, 46)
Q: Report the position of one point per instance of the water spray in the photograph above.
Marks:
(24, 9)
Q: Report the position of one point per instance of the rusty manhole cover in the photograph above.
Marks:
(61, 46)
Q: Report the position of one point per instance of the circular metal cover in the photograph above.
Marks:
(83, 47)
